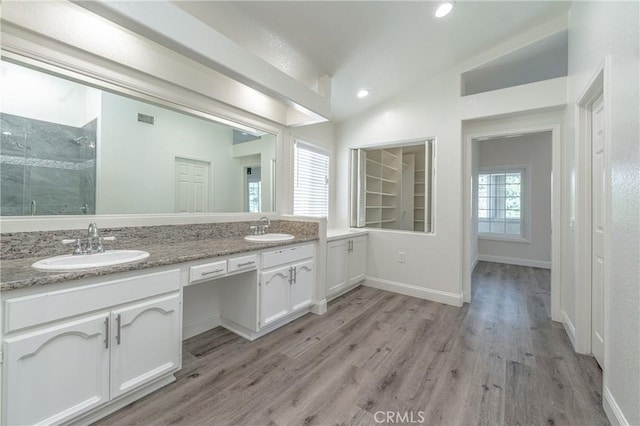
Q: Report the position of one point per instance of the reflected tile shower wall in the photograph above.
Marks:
(46, 168)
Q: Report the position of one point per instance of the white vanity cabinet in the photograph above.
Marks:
(57, 373)
(282, 289)
(286, 282)
(145, 342)
(346, 264)
(82, 347)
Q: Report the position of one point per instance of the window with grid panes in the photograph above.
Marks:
(500, 203)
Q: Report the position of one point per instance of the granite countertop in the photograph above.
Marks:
(18, 273)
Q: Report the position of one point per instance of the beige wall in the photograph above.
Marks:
(535, 151)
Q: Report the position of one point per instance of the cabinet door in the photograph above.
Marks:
(336, 266)
(55, 374)
(302, 287)
(357, 260)
(145, 343)
(274, 295)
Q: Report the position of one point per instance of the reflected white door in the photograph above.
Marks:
(598, 221)
(191, 186)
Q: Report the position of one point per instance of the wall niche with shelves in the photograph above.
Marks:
(391, 186)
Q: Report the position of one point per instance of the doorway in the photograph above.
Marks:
(253, 189)
(516, 124)
(191, 186)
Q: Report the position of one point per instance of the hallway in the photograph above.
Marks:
(499, 360)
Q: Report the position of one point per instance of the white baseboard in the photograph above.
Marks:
(439, 296)
(514, 261)
(475, 263)
(199, 326)
(320, 307)
(569, 328)
(612, 410)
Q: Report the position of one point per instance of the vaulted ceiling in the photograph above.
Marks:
(385, 46)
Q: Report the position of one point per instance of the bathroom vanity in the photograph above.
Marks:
(77, 346)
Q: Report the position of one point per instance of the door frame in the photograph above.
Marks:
(597, 85)
(521, 123)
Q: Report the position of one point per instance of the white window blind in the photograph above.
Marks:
(310, 180)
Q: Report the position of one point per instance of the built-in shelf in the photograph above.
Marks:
(395, 169)
(373, 222)
(381, 207)
(386, 194)
(419, 183)
(382, 179)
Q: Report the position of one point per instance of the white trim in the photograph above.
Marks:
(612, 409)
(55, 223)
(503, 238)
(598, 84)
(475, 263)
(514, 261)
(568, 327)
(415, 291)
(200, 325)
(319, 308)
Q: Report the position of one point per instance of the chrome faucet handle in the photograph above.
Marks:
(254, 229)
(100, 248)
(78, 249)
(264, 229)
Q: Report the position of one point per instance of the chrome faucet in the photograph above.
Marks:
(92, 234)
(261, 228)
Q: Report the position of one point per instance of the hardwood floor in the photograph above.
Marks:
(498, 360)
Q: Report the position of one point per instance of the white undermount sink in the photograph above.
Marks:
(269, 238)
(69, 262)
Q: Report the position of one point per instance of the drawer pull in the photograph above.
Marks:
(212, 272)
(240, 265)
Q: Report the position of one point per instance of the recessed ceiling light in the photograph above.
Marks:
(363, 93)
(443, 9)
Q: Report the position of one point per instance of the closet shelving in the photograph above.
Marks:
(383, 179)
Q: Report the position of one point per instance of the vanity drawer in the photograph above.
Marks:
(286, 255)
(243, 263)
(207, 271)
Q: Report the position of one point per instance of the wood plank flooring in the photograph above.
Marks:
(499, 360)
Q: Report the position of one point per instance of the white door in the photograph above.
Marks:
(336, 265)
(301, 294)
(274, 294)
(145, 343)
(357, 260)
(598, 202)
(56, 373)
(191, 186)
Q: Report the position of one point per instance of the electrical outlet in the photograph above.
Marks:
(401, 256)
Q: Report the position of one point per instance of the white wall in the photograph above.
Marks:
(322, 135)
(599, 30)
(58, 101)
(136, 173)
(535, 151)
(434, 263)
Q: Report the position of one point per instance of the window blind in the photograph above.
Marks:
(311, 180)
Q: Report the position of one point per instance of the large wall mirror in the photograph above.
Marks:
(71, 149)
(392, 186)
